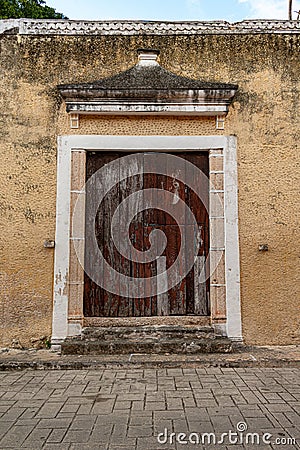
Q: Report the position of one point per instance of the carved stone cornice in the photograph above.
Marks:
(147, 88)
(132, 27)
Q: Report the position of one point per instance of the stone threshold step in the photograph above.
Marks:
(140, 332)
(149, 345)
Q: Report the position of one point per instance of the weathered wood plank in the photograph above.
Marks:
(200, 287)
(126, 187)
(163, 305)
(150, 218)
(195, 304)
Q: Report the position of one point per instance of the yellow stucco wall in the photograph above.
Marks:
(264, 117)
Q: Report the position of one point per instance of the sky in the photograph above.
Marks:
(230, 10)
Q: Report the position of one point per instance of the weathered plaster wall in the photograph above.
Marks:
(264, 117)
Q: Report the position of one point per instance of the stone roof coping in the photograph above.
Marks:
(135, 27)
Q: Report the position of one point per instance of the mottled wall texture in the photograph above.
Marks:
(264, 116)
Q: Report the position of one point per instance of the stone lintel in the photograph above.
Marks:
(137, 109)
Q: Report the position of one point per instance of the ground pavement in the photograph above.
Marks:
(150, 408)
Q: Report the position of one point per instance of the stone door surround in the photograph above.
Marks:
(224, 244)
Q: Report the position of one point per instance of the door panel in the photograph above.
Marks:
(189, 296)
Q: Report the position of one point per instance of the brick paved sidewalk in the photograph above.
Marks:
(116, 409)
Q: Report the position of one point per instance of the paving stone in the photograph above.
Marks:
(112, 419)
(194, 414)
(79, 400)
(172, 415)
(37, 438)
(149, 443)
(203, 394)
(33, 404)
(140, 420)
(137, 405)
(142, 413)
(122, 405)
(29, 413)
(282, 419)
(43, 394)
(4, 427)
(221, 424)
(249, 411)
(189, 402)
(206, 403)
(139, 431)
(78, 436)
(224, 401)
(55, 423)
(65, 415)
(70, 408)
(56, 435)
(128, 442)
(100, 438)
(27, 422)
(12, 414)
(279, 407)
(118, 447)
(287, 397)
(175, 403)
(200, 427)
(83, 424)
(185, 385)
(15, 436)
(295, 406)
(104, 429)
(49, 410)
(8, 395)
(155, 397)
(155, 406)
(180, 425)
(60, 446)
(89, 446)
(129, 397)
(104, 407)
(224, 411)
(256, 424)
(174, 372)
(161, 425)
(4, 408)
(238, 400)
(293, 417)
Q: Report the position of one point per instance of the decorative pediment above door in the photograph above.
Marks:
(147, 88)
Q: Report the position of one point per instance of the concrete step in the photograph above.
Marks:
(146, 339)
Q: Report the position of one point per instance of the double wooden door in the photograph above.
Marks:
(191, 295)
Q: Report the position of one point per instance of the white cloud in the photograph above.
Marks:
(270, 9)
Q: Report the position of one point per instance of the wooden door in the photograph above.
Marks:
(189, 297)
